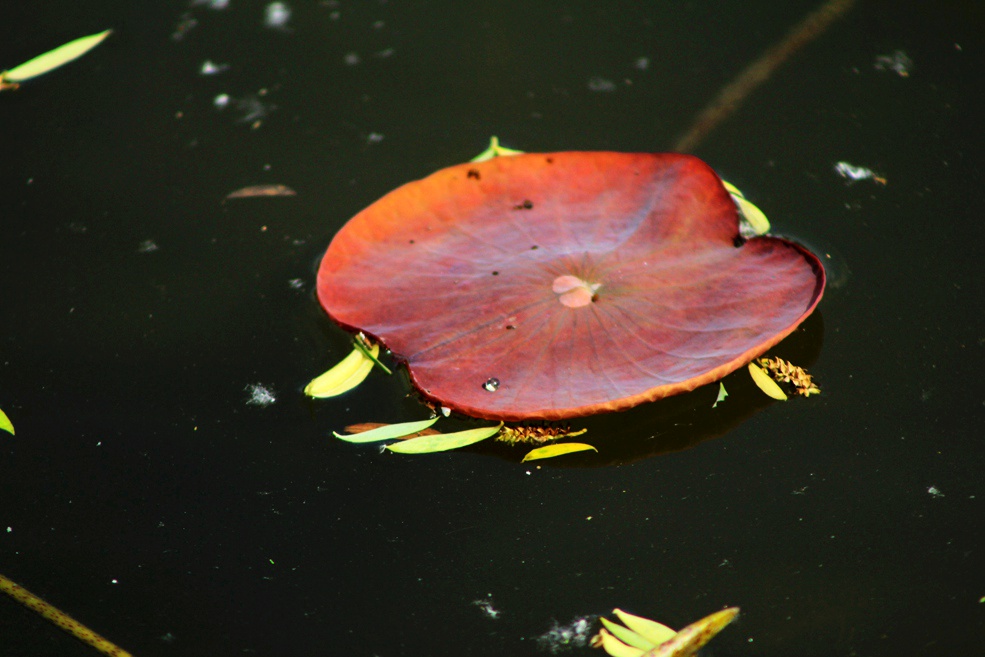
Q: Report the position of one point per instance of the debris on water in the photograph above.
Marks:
(642, 63)
(147, 246)
(260, 395)
(221, 101)
(898, 62)
(561, 638)
(374, 138)
(262, 190)
(211, 68)
(186, 23)
(486, 606)
(296, 283)
(854, 173)
(352, 58)
(276, 16)
(935, 492)
(217, 5)
(599, 84)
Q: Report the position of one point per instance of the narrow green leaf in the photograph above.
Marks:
(442, 442)
(627, 635)
(386, 432)
(54, 58)
(550, 451)
(722, 394)
(650, 630)
(617, 648)
(346, 375)
(766, 383)
(5, 423)
(363, 345)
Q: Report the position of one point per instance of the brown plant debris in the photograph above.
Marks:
(786, 372)
(536, 434)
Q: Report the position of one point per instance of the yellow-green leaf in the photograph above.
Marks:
(442, 442)
(550, 451)
(627, 636)
(654, 632)
(54, 58)
(5, 423)
(349, 373)
(617, 648)
(766, 383)
(753, 215)
(692, 638)
(386, 432)
(494, 150)
(722, 394)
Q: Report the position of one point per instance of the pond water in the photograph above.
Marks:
(142, 313)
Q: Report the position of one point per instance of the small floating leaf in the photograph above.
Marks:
(54, 58)
(345, 376)
(386, 432)
(654, 632)
(627, 636)
(752, 215)
(614, 646)
(5, 423)
(722, 394)
(765, 383)
(550, 451)
(494, 150)
(690, 640)
(444, 441)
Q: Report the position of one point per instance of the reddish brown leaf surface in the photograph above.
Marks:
(581, 282)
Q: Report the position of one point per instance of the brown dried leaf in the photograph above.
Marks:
(262, 190)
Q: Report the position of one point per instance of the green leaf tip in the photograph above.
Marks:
(5, 423)
(494, 150)
(54, 58)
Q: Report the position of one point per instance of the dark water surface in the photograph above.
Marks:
(144, 495)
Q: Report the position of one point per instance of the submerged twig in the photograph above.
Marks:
(729, 99)
(60, 618)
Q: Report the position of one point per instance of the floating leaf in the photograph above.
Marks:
(614, 646)
(262, 190)
(755, 219)
(54, 58)
(5, 423)
(765, 383)
(550, 451)
(345, 376)
(654, 632)
(692, 638)
(628, 636)
(386, 432)
(444, 441)
(722, 394)
(494, 150)
(364, 345)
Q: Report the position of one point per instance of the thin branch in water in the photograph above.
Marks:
(733, 95)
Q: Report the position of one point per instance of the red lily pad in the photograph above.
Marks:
(550, 286)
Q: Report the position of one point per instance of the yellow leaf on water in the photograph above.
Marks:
(765, 383)
(349, 373)
(627, 636)
(692, 638)
(614, 646)
(442, 442)
(54, 58)
(6, 424)
(550, 451)
(654, 632)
